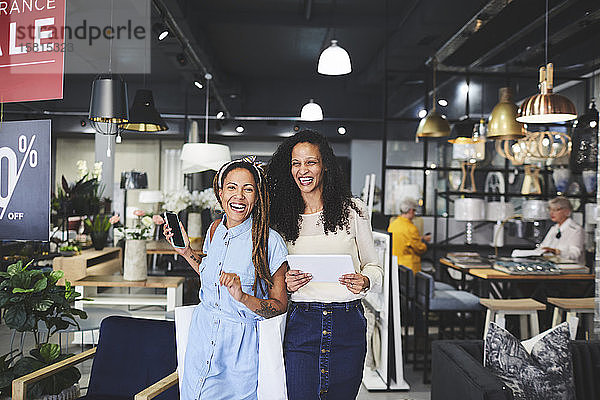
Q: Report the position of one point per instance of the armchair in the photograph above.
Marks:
(132, 353)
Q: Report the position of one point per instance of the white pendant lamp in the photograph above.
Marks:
(334, 60)
(311, 112)
(199, 157)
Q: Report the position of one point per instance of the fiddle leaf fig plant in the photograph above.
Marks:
(34, 302)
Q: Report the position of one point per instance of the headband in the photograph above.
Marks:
(248, 160)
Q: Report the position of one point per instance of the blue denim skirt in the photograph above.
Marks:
(324, 349)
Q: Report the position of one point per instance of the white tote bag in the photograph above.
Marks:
(271, 369)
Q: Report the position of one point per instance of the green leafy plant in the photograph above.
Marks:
(98, 223)
(31, 299)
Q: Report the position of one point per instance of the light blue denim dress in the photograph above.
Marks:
(221, 360)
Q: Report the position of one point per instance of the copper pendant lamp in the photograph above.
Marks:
(502, 123)
(546, 107)
(433, 125)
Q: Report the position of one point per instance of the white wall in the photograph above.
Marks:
(366, 159)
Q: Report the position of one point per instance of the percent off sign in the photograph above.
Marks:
(10, 171)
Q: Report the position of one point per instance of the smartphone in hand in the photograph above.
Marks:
(173, 222)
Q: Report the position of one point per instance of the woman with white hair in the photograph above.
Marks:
(407, 244)
(566, 238)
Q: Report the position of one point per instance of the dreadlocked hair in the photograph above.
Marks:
(260, 223)
(286, 200)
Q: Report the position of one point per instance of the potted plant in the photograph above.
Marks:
(33, 302)
(98, 226)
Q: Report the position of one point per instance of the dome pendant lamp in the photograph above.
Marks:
(143, 116)
(546, 107)
(433, 125)
(334, 60)
(502, 123)
(311, 111)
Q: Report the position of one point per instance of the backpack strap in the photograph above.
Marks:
(213, 228)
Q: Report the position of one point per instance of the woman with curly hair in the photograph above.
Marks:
(313, 209)
(242, 281)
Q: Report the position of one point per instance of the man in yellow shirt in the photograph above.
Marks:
(407, 244)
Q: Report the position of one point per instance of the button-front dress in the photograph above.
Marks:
(221, 359)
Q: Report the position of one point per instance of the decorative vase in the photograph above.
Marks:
(589, 180)
(135, 266)
(99, 239)
(194, 228)
(561, 179)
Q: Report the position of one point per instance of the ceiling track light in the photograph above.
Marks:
(198, 84)
(239, 129)
(163, 34)
(334, 60)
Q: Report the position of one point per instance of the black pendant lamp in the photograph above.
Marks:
(108, 104)
(584, 150)
(143, 116)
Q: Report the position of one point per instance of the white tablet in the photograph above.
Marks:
(323, 267)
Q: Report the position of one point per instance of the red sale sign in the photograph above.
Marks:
(32, 49)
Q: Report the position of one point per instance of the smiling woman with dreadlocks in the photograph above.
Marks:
(312, 208)
(242, 282)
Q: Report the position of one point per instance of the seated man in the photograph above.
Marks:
(566, 238)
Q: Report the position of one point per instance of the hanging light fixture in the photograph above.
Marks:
(502, 123)
(311, 111)
(546, 107)
(199, 157)
(108, 105)
(143, 116)
(334, 60)
(433, 125)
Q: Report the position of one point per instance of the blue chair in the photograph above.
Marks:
(132, 354)
(442, 302)
(406, 277)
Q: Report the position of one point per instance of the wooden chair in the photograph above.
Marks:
(132, 353)
(498, 309)
(573, 307)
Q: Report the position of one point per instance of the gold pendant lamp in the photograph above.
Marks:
(433, 125)
(502, 123)
(546, 107)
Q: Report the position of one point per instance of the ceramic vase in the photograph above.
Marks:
(561, 179)
(589, 180)
(194, 228)
(135, 267)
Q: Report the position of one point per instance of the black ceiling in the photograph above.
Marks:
(263, 56)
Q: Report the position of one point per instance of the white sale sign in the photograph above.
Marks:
(25, 180)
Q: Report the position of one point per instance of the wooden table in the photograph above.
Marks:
(464, 270)
(489, 276)
(90, 262)
(173, 284)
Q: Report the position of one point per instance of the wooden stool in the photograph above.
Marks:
(573, 307)
(498, 309)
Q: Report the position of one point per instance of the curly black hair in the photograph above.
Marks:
(286, 201)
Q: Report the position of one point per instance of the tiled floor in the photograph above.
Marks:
(418, 391)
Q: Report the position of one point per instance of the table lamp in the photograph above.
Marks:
(498, 211)
(469, 210)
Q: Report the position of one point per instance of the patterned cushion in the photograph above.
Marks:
(539, 368)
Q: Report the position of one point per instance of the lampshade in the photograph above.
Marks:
(108, 104)
(546, 107)
(469, 209)
(150, 196)
(334, 60)
(143, 116)
(311, 112)
(433, 126)
(499, 210)
(502, 123)
(198, 157)
(534, 210)
(134, 180)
